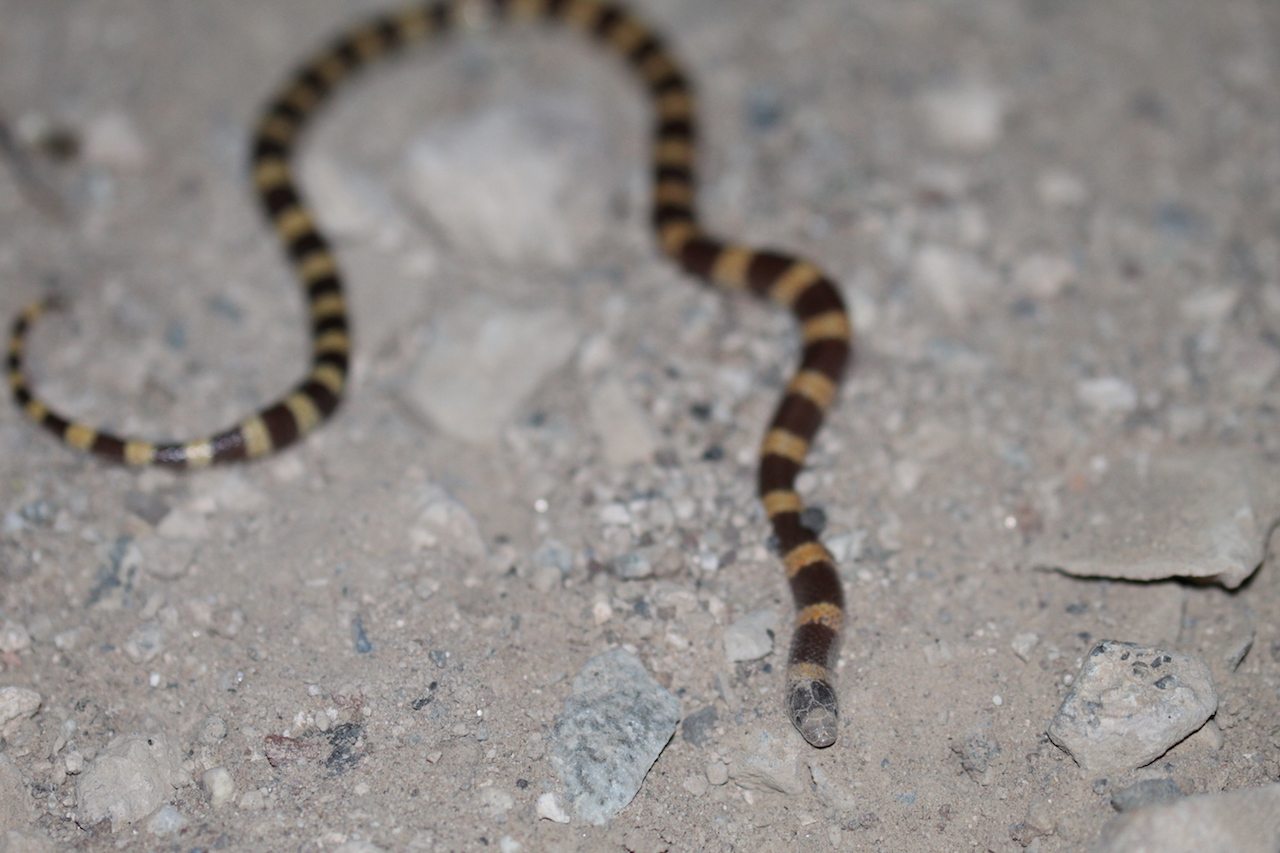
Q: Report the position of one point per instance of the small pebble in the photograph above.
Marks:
(145, 642)
(1107, 394)
(1024, 643)
(549, 808)
(967, 118)
(1145, 793)
(212, 729)
(219, 784)
(14, 637)
(166, 821)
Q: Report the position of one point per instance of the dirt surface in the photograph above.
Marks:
(1020, 198)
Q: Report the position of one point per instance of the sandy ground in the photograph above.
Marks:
(1019, 198)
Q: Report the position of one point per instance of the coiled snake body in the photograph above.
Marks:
(791, 282)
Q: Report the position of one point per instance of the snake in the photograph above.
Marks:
(799, 285)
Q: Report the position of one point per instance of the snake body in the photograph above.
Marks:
(791, 282)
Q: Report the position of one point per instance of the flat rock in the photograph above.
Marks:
(484, 364)
(766, 762)
(615, 723)
(1130, 704)
(751, 637)
(133, 776)
(1241, 821)
(1188, 514)
(508, 182)
(26, 841)
(624, 427)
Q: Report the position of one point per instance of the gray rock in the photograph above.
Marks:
(132, 777)
(1130, 704)
(751, 637)
(1174, 515)
(1145, 793)
(1107, 394)
(1242, 821)
(615, 723)
(698, 727)
(145, 642)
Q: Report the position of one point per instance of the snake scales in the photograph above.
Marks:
(791, 282)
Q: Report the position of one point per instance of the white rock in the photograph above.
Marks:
(145, 642)
(14, 637)
(1130, 704)
(1209, 304)
(131, 777)
(549, 808)
(1178, 514)
(360, 846)
(349, 202)
(1023, 644)
(1057, 189)
(1241, 821)
(112, 140)
(626, 434)
(219, 785)
(17, 703)
(485, 364)
(967, 118)
(166, 821)
(1107, 394)
(615, 513)
(751, 637)
(509, 182)
(1043, 275)
(957, 280)
(444, 523)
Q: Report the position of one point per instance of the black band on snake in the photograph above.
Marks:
(791, 282)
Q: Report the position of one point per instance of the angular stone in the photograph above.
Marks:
(615, 723)
(1130, 704)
